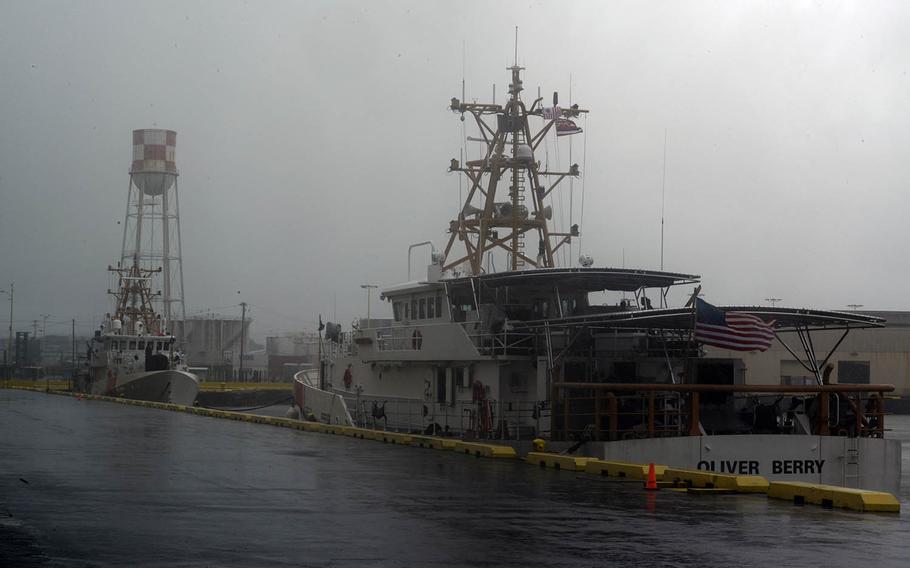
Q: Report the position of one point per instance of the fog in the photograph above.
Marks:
(313, 141)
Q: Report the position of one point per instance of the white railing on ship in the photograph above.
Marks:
(489, 419)
(398, 339)
(503, 343)
(411, 339)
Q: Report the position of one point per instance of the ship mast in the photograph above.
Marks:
(488, 221)
(133, 299)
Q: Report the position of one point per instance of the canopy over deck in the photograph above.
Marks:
(792, 319)
(583, 279)
(681, 319)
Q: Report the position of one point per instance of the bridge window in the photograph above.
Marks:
(396, 311)
(407, 310)
(438, 306)
(132, 345)
(431, 308)
(423, 308)
(413, 309)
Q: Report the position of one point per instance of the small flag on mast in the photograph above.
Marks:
(566, 127)
(551, 113)
(731, 330)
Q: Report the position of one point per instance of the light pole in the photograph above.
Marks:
(9, 338)
(369, 289)
(773, 301)
(242, 321)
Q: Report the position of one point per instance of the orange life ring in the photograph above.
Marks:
(416, 340)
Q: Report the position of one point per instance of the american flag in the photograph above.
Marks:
(565, 127)
(731, 330)
(549, 113)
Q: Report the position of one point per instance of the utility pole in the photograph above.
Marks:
(8, 356)
(242, 321)
(773, 301)
(73, 361)
(854, 306)
(319, 357)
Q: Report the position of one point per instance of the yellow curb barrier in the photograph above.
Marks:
(742, 483)
(558, 461)
(337, 429)
(433, 442)
(395, 438)
(368, 434)
(623, 470)
(365, 433)
(486, 450)
(862, 500)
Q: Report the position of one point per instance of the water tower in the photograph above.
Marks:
(151, 232)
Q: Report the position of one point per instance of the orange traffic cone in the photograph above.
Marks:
(651, 484)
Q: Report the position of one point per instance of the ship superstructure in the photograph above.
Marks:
(507, 188)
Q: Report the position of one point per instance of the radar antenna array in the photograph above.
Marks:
(494, 218)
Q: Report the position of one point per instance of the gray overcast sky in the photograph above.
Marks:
(313, 142)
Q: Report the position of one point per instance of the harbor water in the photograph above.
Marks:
(92, 483)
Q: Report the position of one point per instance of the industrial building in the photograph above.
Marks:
(214, 344)
(289, 353)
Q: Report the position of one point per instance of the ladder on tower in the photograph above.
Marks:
(518, 186)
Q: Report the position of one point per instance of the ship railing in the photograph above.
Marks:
(484, 419)
(399, 339)
(342, 348)
(503, 343)
(615, 411)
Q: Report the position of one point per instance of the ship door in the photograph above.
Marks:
(441, 389)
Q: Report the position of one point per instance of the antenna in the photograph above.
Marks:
(516, 46)
(463, 49)
(463, 150)
(663, 199)
(571, 179)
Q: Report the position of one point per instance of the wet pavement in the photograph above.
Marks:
(92, 483)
